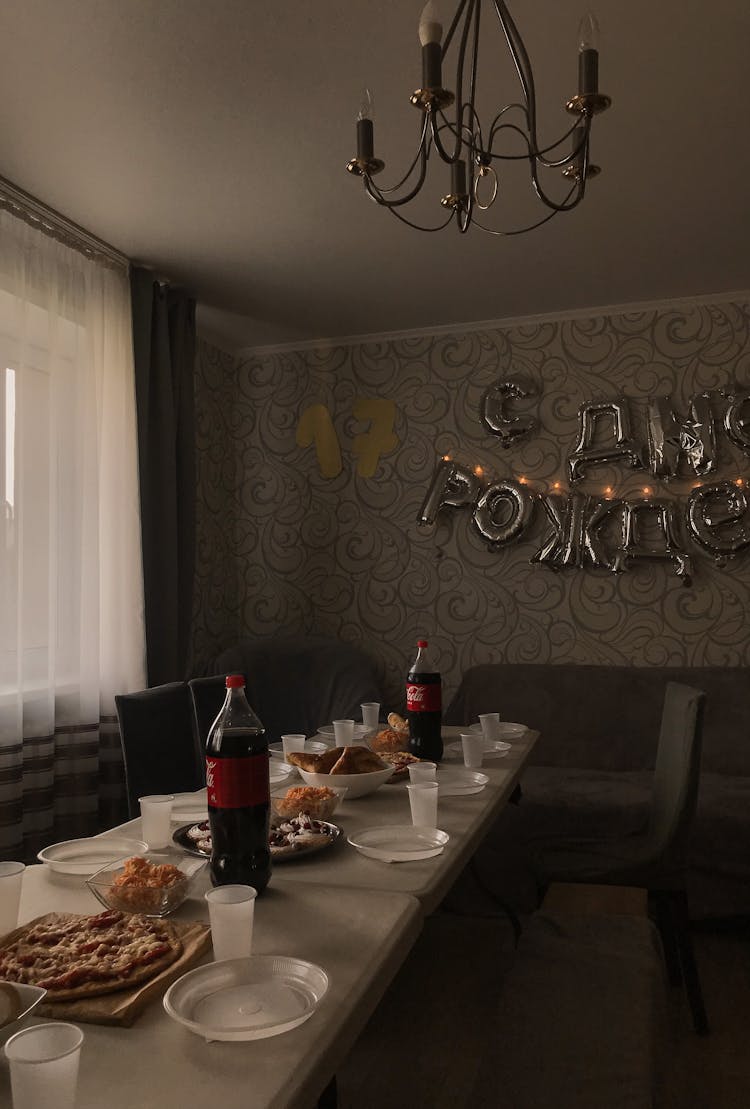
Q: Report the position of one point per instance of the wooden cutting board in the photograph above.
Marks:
(123, 1006)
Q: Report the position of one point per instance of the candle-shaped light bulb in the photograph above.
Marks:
(588, 33)
(365, 132)
(430, 27)
(430, 34)
(366, 104)
(588, 55)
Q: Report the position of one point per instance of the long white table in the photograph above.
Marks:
(354, 916)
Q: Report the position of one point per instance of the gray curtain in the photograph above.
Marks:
(164, 350)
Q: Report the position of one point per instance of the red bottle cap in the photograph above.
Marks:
(421, 642)
(235, 681)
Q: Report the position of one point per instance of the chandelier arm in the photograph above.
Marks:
(469, 134)
(422, 139)
(376, 194)
(454, 24)
(521, 230)
(578, 187)
(523, 66)
(532, 153)
(472, 7)
(572, 155)
(416, 226)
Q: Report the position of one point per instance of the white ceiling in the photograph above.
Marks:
(208, 139)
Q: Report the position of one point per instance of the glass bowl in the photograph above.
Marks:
(320, 802)
(133, 885)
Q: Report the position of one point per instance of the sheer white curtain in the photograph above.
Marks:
(71, 593)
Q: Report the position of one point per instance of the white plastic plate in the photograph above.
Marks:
(458, 781)
(190, 806)
(399, 843)
(86, 856)
(360, 731)
(493, 749)
(506, 730)
(246, 999)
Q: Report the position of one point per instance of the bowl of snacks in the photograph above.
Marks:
(153, 884)
(320, 802)
(358, 769)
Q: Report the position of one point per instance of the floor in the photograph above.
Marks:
(384, 1070)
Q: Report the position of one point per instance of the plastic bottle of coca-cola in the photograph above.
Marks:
(239, 801)
(424, 706)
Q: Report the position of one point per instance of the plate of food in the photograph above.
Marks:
(357, 768)
(395, 737)
(319, 802)
(312, 747)
(77, 956)
(86, 856)
(289, 838)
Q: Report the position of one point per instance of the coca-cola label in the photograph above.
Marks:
(423, 698)
(236, 783)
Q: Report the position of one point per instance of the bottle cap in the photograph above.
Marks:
(421, 642)
(235, 681)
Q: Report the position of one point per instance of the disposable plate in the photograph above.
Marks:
(506, 730)
(86, 856)
(455, 781)
(493, 749)
(360, 731)
(246, 999)
(399, 843)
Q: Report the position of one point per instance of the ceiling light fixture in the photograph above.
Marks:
(472, 150)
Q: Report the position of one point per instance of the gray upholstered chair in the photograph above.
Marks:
(655, 858)
(294, 683)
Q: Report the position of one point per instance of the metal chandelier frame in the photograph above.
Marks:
(471, 151)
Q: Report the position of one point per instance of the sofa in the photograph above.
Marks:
(590, 771)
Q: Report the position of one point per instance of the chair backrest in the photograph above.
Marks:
(677, 773)
(297, 683)
(207, 696)
(158, 742)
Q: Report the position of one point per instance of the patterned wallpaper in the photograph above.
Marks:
(283, 548)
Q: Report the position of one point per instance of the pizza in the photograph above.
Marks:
(400, 761)
(73, 956)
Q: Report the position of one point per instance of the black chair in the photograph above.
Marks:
(294, 684)
(655, 859)
(158, 742)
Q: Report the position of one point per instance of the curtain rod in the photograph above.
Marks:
(52, 223)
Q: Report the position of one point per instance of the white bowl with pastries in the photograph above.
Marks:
(357, 769)
(17, 1002)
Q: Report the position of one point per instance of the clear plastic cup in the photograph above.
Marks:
(490, 722)
(291, 743)
(370, 713)
(473, 748)
(11, 879)
(423, 799)
(231, 910)
(422, 771)
(44, 1065)
(156, 814)
(343, 731)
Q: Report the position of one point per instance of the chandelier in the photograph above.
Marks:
(475, 150)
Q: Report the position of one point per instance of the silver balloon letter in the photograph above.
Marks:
(452, 485)
(623, 449)
(563, 545)
(507, 428)
(717, 519)
(736, 425)
(660, 515)
(503, 512)
(670, 437)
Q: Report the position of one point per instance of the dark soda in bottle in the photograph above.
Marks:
(239, 799)
(424, 707)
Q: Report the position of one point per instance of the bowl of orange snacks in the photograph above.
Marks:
(152, 885)
(319, 802)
